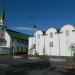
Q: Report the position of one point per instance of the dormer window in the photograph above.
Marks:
(51, 35)
(67, 32)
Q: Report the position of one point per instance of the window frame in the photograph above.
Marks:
(51, 44)
(51, 35)
(67, 32)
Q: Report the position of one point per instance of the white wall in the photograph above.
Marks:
(40, 45)
(61, 42)
(39, 42)
(31, 42)
(6, 49)
(52, 50)
(8, 39)
(65, 41)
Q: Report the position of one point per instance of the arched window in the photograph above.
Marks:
(67, 32)
(51, 35)
(38, 36)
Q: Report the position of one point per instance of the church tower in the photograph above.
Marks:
(2, 17)
(2, 23)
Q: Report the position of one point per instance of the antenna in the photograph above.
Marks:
(27, 28)
(34, 21)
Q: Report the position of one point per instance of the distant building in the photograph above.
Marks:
(11, 42)
(53, 42)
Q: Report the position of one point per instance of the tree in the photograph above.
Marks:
(72, 48)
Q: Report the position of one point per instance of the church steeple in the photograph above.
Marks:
(2, 17)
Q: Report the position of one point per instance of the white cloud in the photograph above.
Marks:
(25, 28)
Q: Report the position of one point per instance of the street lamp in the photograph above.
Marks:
(58, 33)
(59, 44)
(35, 38)
(44, 51)
(44, 46)
(35, 43)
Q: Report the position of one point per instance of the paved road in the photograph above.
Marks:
(10, 66)
(18, 70)
(42, 72)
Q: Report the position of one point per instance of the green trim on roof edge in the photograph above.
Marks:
(17, 35)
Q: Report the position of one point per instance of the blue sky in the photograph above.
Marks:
(46, 13)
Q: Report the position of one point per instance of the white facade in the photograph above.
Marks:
(8, 39)
(5, 48)
(11, 42)
(54, 42)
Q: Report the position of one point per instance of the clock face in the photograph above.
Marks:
(1, 22)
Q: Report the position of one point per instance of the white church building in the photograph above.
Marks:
(53, 42)
(11, 42)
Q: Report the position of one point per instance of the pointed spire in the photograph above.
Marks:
(3, 11)
(2, 16)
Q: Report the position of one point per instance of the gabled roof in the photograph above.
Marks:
(17, 35)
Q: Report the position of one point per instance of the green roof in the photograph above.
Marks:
(2, 40)
(17, 35)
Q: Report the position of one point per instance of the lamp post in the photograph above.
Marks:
(50, 48)
(35, 44)
(58, 33)
(44, 45)
(32, 47)
(59, 44)
(35, 38)
(44, 51)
